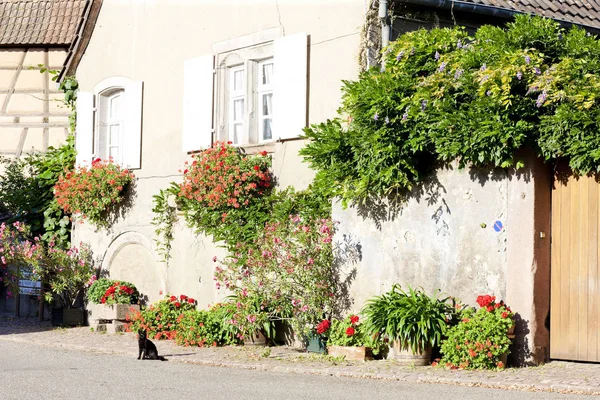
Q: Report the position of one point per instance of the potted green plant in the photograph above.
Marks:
(413, 321)
(348, 338)
(111, 301)
(316, 340)
(65, 273)
(482, 338)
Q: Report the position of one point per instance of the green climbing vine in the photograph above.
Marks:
(443, 95)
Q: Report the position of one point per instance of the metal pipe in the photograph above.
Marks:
(484, 9)
(385, 26)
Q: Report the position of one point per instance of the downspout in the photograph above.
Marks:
(385, 26)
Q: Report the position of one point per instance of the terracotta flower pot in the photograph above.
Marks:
(351, 353)
(255, 339)
(511, 332)
(406, 357)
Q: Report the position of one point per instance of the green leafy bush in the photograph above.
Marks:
(97, 289)
(481, 337)
(288, 274)
(203, 328)
(444, 95)
(348, 332)
(108, 291)
(27, 192)
(412, 318)
(161, 319)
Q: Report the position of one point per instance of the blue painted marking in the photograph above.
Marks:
(498, 226)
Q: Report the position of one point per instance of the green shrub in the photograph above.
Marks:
(412, 318)
(161, 318)
(108, 291)
(203, 328)
(481, 337)
(445, 96)
(348, 332)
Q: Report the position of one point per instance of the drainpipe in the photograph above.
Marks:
(385, 26)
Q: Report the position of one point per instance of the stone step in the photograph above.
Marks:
(113, 326)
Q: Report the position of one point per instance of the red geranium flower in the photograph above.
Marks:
(350, 331)
(354, 319)
(323, 326)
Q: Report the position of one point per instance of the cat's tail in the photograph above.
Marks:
(161, 358)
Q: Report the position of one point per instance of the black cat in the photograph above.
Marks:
(148, 349)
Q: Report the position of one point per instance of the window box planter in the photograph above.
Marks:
(110, 318)
(351, 353)
(112, 311)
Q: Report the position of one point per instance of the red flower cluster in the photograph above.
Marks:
(489, 303)
(182, 299)
(115, 291)
(323, 326)
(354, 319)
(485, 300)
(91, 191)
(223, 177)
(350, 331)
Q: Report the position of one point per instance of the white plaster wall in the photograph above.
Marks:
(436, 239)
(149, 41)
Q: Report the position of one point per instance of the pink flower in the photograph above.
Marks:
(251, 318)
(214, 259)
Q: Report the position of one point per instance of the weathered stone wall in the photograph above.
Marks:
(446, 236)
(440, 237)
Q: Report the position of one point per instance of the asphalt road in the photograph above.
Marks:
(33, 372)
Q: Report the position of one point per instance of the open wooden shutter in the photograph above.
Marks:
(132, 146)
(290, 80)
(197, 103)
(84, 132)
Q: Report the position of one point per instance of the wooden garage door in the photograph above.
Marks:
(574, 310)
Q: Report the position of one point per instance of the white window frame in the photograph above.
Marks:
(117, 121)
(233, 97)
(264, 90)
(250, 53)
(128, 122)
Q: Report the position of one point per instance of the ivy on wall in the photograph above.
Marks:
(443, 95)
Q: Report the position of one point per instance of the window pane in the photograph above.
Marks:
(267, 104)
(238, 110)
(238, 80)
(114, 153)
(114, 135)
(267, 73)
(266, 129)
(114, 106)
(237, 133)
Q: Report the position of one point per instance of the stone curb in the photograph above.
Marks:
(406, 377)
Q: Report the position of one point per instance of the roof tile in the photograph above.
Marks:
(39, 22)
(582, 12)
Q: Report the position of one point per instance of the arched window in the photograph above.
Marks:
(109, 123)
